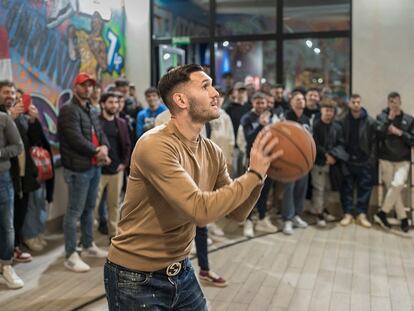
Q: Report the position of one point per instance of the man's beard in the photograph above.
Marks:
(198, 115)
(7, 103)
(111, 112)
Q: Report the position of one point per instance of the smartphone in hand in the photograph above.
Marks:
(27, 101)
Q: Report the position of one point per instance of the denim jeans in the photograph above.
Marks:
(202, 247)
(360, 178)
(82, 191)
(261, 204)
(128, 290)
(294, 195)
(6, 219)
(36, 215)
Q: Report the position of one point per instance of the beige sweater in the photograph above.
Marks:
(174, 185)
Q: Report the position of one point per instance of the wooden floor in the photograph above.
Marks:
(337, 269)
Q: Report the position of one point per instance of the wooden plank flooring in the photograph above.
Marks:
(347, 269)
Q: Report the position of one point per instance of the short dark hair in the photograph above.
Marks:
(294, 93)
(121, 82)
(104, 97)
(20, 91)
(227, 74)
(6, 83)
(355, 95)
(313, 89)
(173, 78)
(394, 95)
(278, 86)
(151, 90)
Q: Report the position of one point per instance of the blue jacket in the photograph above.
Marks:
(146, 120)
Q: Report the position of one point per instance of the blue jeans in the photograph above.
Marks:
(202, 247)
(361, 178)
(261, 204)
(82, 192)
(103, 209)
(294, 195)
(6, 219)
(36, 215)
(128, 290)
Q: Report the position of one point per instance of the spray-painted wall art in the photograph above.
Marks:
(44, 44)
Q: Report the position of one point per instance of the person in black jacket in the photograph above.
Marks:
(35, 218)
(294, 193)
(83, 148)
(360, 144)
(253, 122)
(395, 139)
(330, 152)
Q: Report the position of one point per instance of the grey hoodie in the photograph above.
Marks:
(11, 144)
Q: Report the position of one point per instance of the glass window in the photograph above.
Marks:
(322, 63)
(316, 15)
(245, 17)
(174, 55)
(246, 58)
(175, 18)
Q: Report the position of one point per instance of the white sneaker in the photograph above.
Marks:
(214, 229)
(347, 220)
(76, 264)
(329, 217)
(265, 225)
(321, 223)
(248, 229)
(12, 279)
(288, 227)
(94, 251)
(299, 222)
(209, 241)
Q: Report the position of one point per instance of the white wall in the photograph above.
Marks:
(383, 52)
(138, 58)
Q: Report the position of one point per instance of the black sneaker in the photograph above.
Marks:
(405, 227)
(381, 219)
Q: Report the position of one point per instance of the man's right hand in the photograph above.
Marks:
(263, 153)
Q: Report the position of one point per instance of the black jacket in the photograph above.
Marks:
(304, 120)
(367, 135)
(329, 139)
(391, 147)
(251, 127)
(75, 124)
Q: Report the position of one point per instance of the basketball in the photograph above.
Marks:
(299, 152)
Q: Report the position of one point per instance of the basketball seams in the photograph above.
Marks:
(294, 143)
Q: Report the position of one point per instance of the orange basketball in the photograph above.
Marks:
(299, 152)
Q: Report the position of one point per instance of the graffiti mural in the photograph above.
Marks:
(44, 44)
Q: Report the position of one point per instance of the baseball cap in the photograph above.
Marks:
(83, 77)
(239, 86)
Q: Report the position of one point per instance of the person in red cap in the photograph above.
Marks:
(83, 148)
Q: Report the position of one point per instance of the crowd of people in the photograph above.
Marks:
(98, 130)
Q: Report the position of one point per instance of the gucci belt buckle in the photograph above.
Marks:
(173, 269)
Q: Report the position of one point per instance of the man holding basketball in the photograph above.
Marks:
(178, 180)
